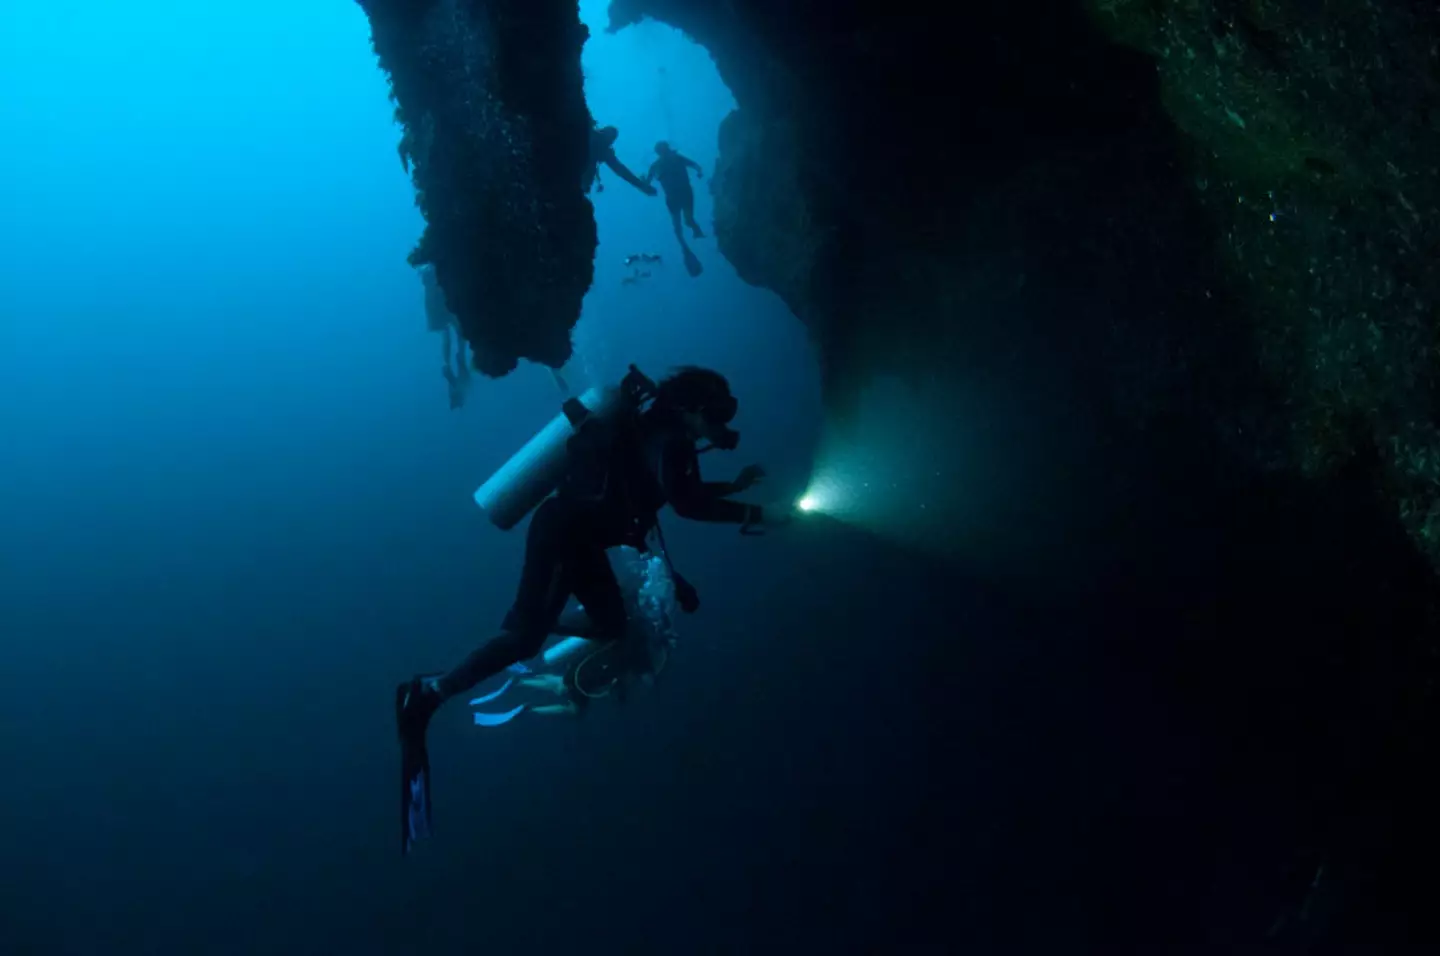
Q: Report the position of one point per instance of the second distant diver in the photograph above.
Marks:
(673, 171)
(439, 318)
(602, 150)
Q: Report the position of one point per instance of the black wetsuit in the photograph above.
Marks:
(619, 478)
(673, 171)
(651, 464)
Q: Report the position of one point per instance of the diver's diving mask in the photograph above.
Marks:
(718, 415)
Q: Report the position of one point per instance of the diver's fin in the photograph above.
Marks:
(487, 698)
(692, 264)
(483, 719)
(415, 804)
(414, 706)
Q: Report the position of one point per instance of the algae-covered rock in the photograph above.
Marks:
(1314, 146)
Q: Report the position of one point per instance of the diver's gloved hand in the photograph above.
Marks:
(686, 596)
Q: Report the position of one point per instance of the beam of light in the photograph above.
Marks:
(889, 468)
(825, 495)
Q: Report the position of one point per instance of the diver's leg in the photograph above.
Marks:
(675, 213)
(592, 580)
(597, 588)
(690, 216)
(589, 576)
(510, 646)
(550, 546)
(447, 347)
(539, 600)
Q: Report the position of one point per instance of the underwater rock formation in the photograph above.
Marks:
(491, 99)
(1174, 261)
(1313, 147)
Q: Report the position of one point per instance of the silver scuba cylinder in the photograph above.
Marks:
(534, 471)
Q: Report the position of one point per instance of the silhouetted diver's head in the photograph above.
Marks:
(701, 400)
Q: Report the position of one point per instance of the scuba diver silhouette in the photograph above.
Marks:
(673, 171)
(635, 452)
(602, 150)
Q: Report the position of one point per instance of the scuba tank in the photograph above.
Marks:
(537, 469)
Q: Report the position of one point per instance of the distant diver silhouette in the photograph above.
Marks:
(673, 171)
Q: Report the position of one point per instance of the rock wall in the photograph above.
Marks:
(1157, 280)
(1313, 148)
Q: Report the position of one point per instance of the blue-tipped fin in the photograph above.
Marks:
(483, 719)
(487, 698)
(417, 810)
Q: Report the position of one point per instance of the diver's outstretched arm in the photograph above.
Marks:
(719, 489)
(693, 165)
(624, 173)
(700, 500)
